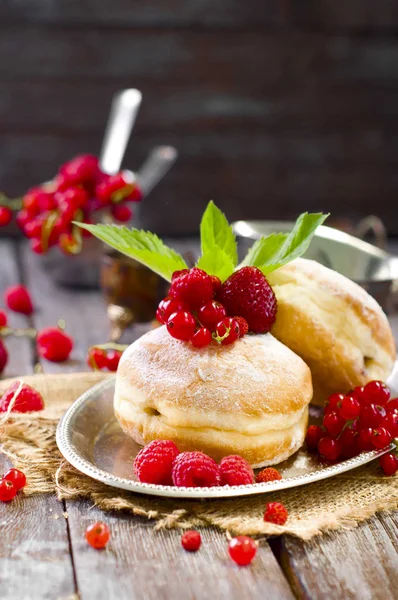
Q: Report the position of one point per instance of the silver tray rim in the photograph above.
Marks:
(74, 457)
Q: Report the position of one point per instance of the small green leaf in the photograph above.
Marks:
(216, 262)
(216, 231)
(264, 249)
(143, 246)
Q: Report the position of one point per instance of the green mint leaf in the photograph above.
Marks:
(216, 231)
(216, 262)
(143, 246)
(278, 249)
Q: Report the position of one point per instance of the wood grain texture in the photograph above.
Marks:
(360, 563)
(142, 563)
(348, 15)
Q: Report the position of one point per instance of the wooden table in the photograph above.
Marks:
(43, 554)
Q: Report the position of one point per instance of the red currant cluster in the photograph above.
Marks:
(79, 189)
(10, 484)
(365, 419)
(191, 313)
(105, 357)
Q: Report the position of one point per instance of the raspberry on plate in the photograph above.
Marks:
(194, 288)
(276, 513)
(268, 474)
(195, 469)
(247, 293)
(28, 399)
(235, 470)
(153, 464)
(191, 540)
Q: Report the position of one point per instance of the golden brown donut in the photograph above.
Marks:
(250, 398)
(336, 327)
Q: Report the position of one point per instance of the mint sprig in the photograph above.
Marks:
(216, 262)
(271, 252)
(143, 246)
(215, 231)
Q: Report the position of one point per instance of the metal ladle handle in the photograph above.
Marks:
(158, 163)
(124, 110)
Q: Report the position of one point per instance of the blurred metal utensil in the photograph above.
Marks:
(124, 110)
(158, 163)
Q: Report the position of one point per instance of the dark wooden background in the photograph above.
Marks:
(276, 106)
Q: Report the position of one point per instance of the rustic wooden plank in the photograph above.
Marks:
(144, 563)
(360, 563)
(350, 14)
(155, 13)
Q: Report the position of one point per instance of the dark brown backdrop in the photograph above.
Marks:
(276, 106)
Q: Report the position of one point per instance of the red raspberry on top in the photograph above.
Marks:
(268, 474)
(153, 464)
(247, 293)
(235, 470)
(18, 299)
(28, 399)
(194, 288)
(195, 469)
(276, 513)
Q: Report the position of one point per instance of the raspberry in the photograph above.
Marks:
(235, 470)
(191, 540)
(5, 216)
(268, 474)
(153, 464)
(17, 478)
(314, 434)
(242, 550)
(181, 326)
(97, 535)
(28, 399)
(329, 448)
(3, 319)
(177, 274)
(243, 326)
(201, 338)
(195, 469)
(3, 357)
(54, 345)
(276, 513)
(194, 288)
(247, 293)
(211, 313)
(227, 331)
(8, 491)
(333, 424)
(18, 299)
(216, 281)
(389, 463)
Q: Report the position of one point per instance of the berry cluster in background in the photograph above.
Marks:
(201, 309)
(365, 419)
(78, 191)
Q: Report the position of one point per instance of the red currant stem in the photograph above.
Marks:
(28, 332)
(61, 324)
(13, 204)
(220, 339)
(47, 228)
(122, 193)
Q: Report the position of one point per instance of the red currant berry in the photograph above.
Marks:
(389, 463)
(97, 535)
(18, 299)
(364, 442)
(329, 448)
(216, 281)
(381, 437)
(333, 403)
(16, 477)
(30, 201)
(390, 422)
(37, 247)
(211, 314)
(3, 357)
(201, 338)
(376, 392)
(5, 216)
(333, 424)
(314, 434)
(54, 344)
(34, 228)
(371, 415)
(227, 331)
(191, 541)
(121, 213)
(72, 199)
(96, 359)
(112, 360)
(8, 491)
(242, 550)
(167, 307)
(47, 202)
(392, 405)
(348, 440)
(3, 319)
(350, 408)
(81, 169)
(22, 218)
(181, 325)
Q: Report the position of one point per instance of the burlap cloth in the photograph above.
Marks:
(29, 441)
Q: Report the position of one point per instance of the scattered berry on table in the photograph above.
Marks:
(28, 399)
(247, 293)
(235, 470)
(329, 448)
(211, 313)
(268, 474)
(333, 424)
(5, 216)
(242, 550)
(181, 325)
(54, 344)
(314, 434)
(389, 463)
(381, 437)
(18, 299)
(227, 331)
(195, 469)
(8, 491)
(201, 338)
(97, 535)
(194, 288)
(191, 540)
(3, 356)
(243, 326)
(16, 477)
(350, 408)
(167, 307)
(3, 318)
(153, 464)
(275, 513)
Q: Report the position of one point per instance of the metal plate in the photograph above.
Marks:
(89, 437)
